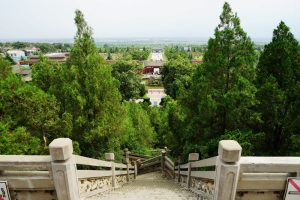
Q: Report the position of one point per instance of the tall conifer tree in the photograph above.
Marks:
(223, 92)
(279, 92)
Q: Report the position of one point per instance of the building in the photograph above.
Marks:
(157, 54)
(58, 57)
(31, 51)
(152, 67)
(16, 55)
(156, 95)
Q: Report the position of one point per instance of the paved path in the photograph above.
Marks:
(149, 186)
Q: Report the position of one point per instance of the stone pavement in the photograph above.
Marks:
(149, 186)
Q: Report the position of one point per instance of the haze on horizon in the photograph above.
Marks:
(142, 18)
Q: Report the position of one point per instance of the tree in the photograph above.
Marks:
(222, 93)
(176, 75)
(130, 81)
(25, 105)
(278, 81)
(5, 68)
(90, 93)
(140, 55)
(19, 141)
(138, 135)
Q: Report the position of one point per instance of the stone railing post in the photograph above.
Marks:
(227, 170)
(163, 158)
(135, 170)
(179, 162)
(111, 157)
(127, 161)
(64, 169)
(192, 157)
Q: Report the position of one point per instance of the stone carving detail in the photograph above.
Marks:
(102, 183)
(205, 186)
(92, 184)
(120, 180)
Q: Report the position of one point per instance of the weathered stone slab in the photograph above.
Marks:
(193, 156)
(109, 156)
(229, 151)
(61, 149)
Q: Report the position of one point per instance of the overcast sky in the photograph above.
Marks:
(20, 19)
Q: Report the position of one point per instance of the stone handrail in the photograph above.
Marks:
(189, 175)
(236, 177)
(233, 177)
(92, 182)
(27, 176)
(57, 177)
(265, 177)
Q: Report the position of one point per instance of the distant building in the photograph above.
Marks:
(31, 51)
(156, 95)
(16, 55)
(58, 57)
(157, 54)
(152, 67)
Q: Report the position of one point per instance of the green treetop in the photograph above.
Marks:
(222, 92)
(279, 85)
(130, 80)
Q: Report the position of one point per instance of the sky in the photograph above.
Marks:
(39, 19)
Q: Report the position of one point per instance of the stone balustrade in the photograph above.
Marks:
(57, 177)
(228, 176)
(237, 178)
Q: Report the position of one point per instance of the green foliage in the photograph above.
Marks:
(250, 142)
(27, 112)
(5, 68)
(130, 81)
(43, 47)
(229, 96)
(176, 75)
(19, 141)
(140, 54)
(19, 45)
(221, 96)
(279, 85)
(173, 53)
(87, 92)
(138, 135)
(26, 105)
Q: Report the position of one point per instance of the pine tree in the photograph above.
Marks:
(279, 85)
(222, 94)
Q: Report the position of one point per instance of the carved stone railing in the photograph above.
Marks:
(56, 176)
(112, 175)
(192, 177)
(265, 177)
(28, 177)
(225, 177)
(232, 177)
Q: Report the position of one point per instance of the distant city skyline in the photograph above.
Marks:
(142, 19)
